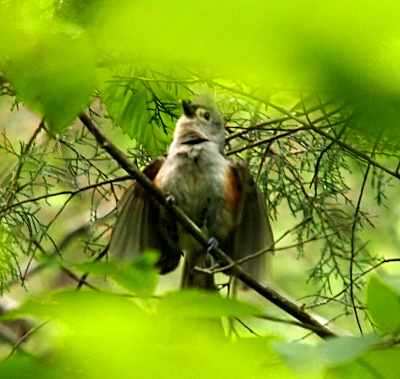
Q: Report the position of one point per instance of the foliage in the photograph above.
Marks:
(310, 98)
(97, 334)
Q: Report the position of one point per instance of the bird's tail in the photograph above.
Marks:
(192, 278)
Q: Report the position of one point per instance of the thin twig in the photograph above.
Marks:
(351, 150)
(24, 151)
(332, 298)
(327, 297)
(246, 326)
(70, 192)
(24, 337)
(352, 256)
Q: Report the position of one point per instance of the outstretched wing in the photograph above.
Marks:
(253, 232)
(139, 225)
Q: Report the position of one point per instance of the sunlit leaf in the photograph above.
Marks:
(200, 304)
(377, 363)
(302, 358)
(348, 49)
(352, 370)
(51, 68)
(128, 100)
(69, 305)
(313, 360)
(25, 367)
(139, 277)
(383, 304)
(107, 338)
(336, 351)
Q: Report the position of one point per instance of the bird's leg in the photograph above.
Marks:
(212, 244)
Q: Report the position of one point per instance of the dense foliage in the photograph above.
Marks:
(310, 99)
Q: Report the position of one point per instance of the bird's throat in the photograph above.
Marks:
(193, 138)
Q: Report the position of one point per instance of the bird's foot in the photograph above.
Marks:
(212, 244)
(170, 198)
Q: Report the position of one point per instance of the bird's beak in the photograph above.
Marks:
(192, 137)
(187, 108)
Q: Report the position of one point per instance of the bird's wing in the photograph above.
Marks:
(138, 225)
(253, 232)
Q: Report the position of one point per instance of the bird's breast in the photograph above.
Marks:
(197, 176)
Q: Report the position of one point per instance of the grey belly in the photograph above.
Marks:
(199, 191)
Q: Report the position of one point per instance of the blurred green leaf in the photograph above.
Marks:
(200, 304)
(98, 268)
(383, 362)
(377, 363)
(393, 283)
(383, 304)
(275, 40)
(109, 337)
(50, 66)
(22, 367)
(313, 360)
(140, 276)
(336, 351)
(266, 357)
(352, 370)
(327, 46)
(348, 49)
(71, 305)
(302, 358)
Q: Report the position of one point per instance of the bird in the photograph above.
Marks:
(216, 192)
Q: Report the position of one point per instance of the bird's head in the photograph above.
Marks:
(200, 122)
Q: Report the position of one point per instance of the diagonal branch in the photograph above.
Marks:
(261, 288)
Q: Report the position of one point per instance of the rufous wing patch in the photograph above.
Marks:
(233, 192)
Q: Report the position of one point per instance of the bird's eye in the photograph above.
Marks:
(206, 116)
(202, 113)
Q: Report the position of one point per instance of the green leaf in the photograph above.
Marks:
(336, 351)
(383, 362)
(302, 358)
(127, 101)
(25, 367)
(352, 370)
(68, 305)
(265, 357)
(140, 276)
(200, 304)
(393, 283)
(51, 69)
(104, 336)
(98, 268)
(346, 48)
(314, 360)
(383, 305)
(377, 363)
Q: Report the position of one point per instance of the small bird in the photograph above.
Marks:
(217, 193)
